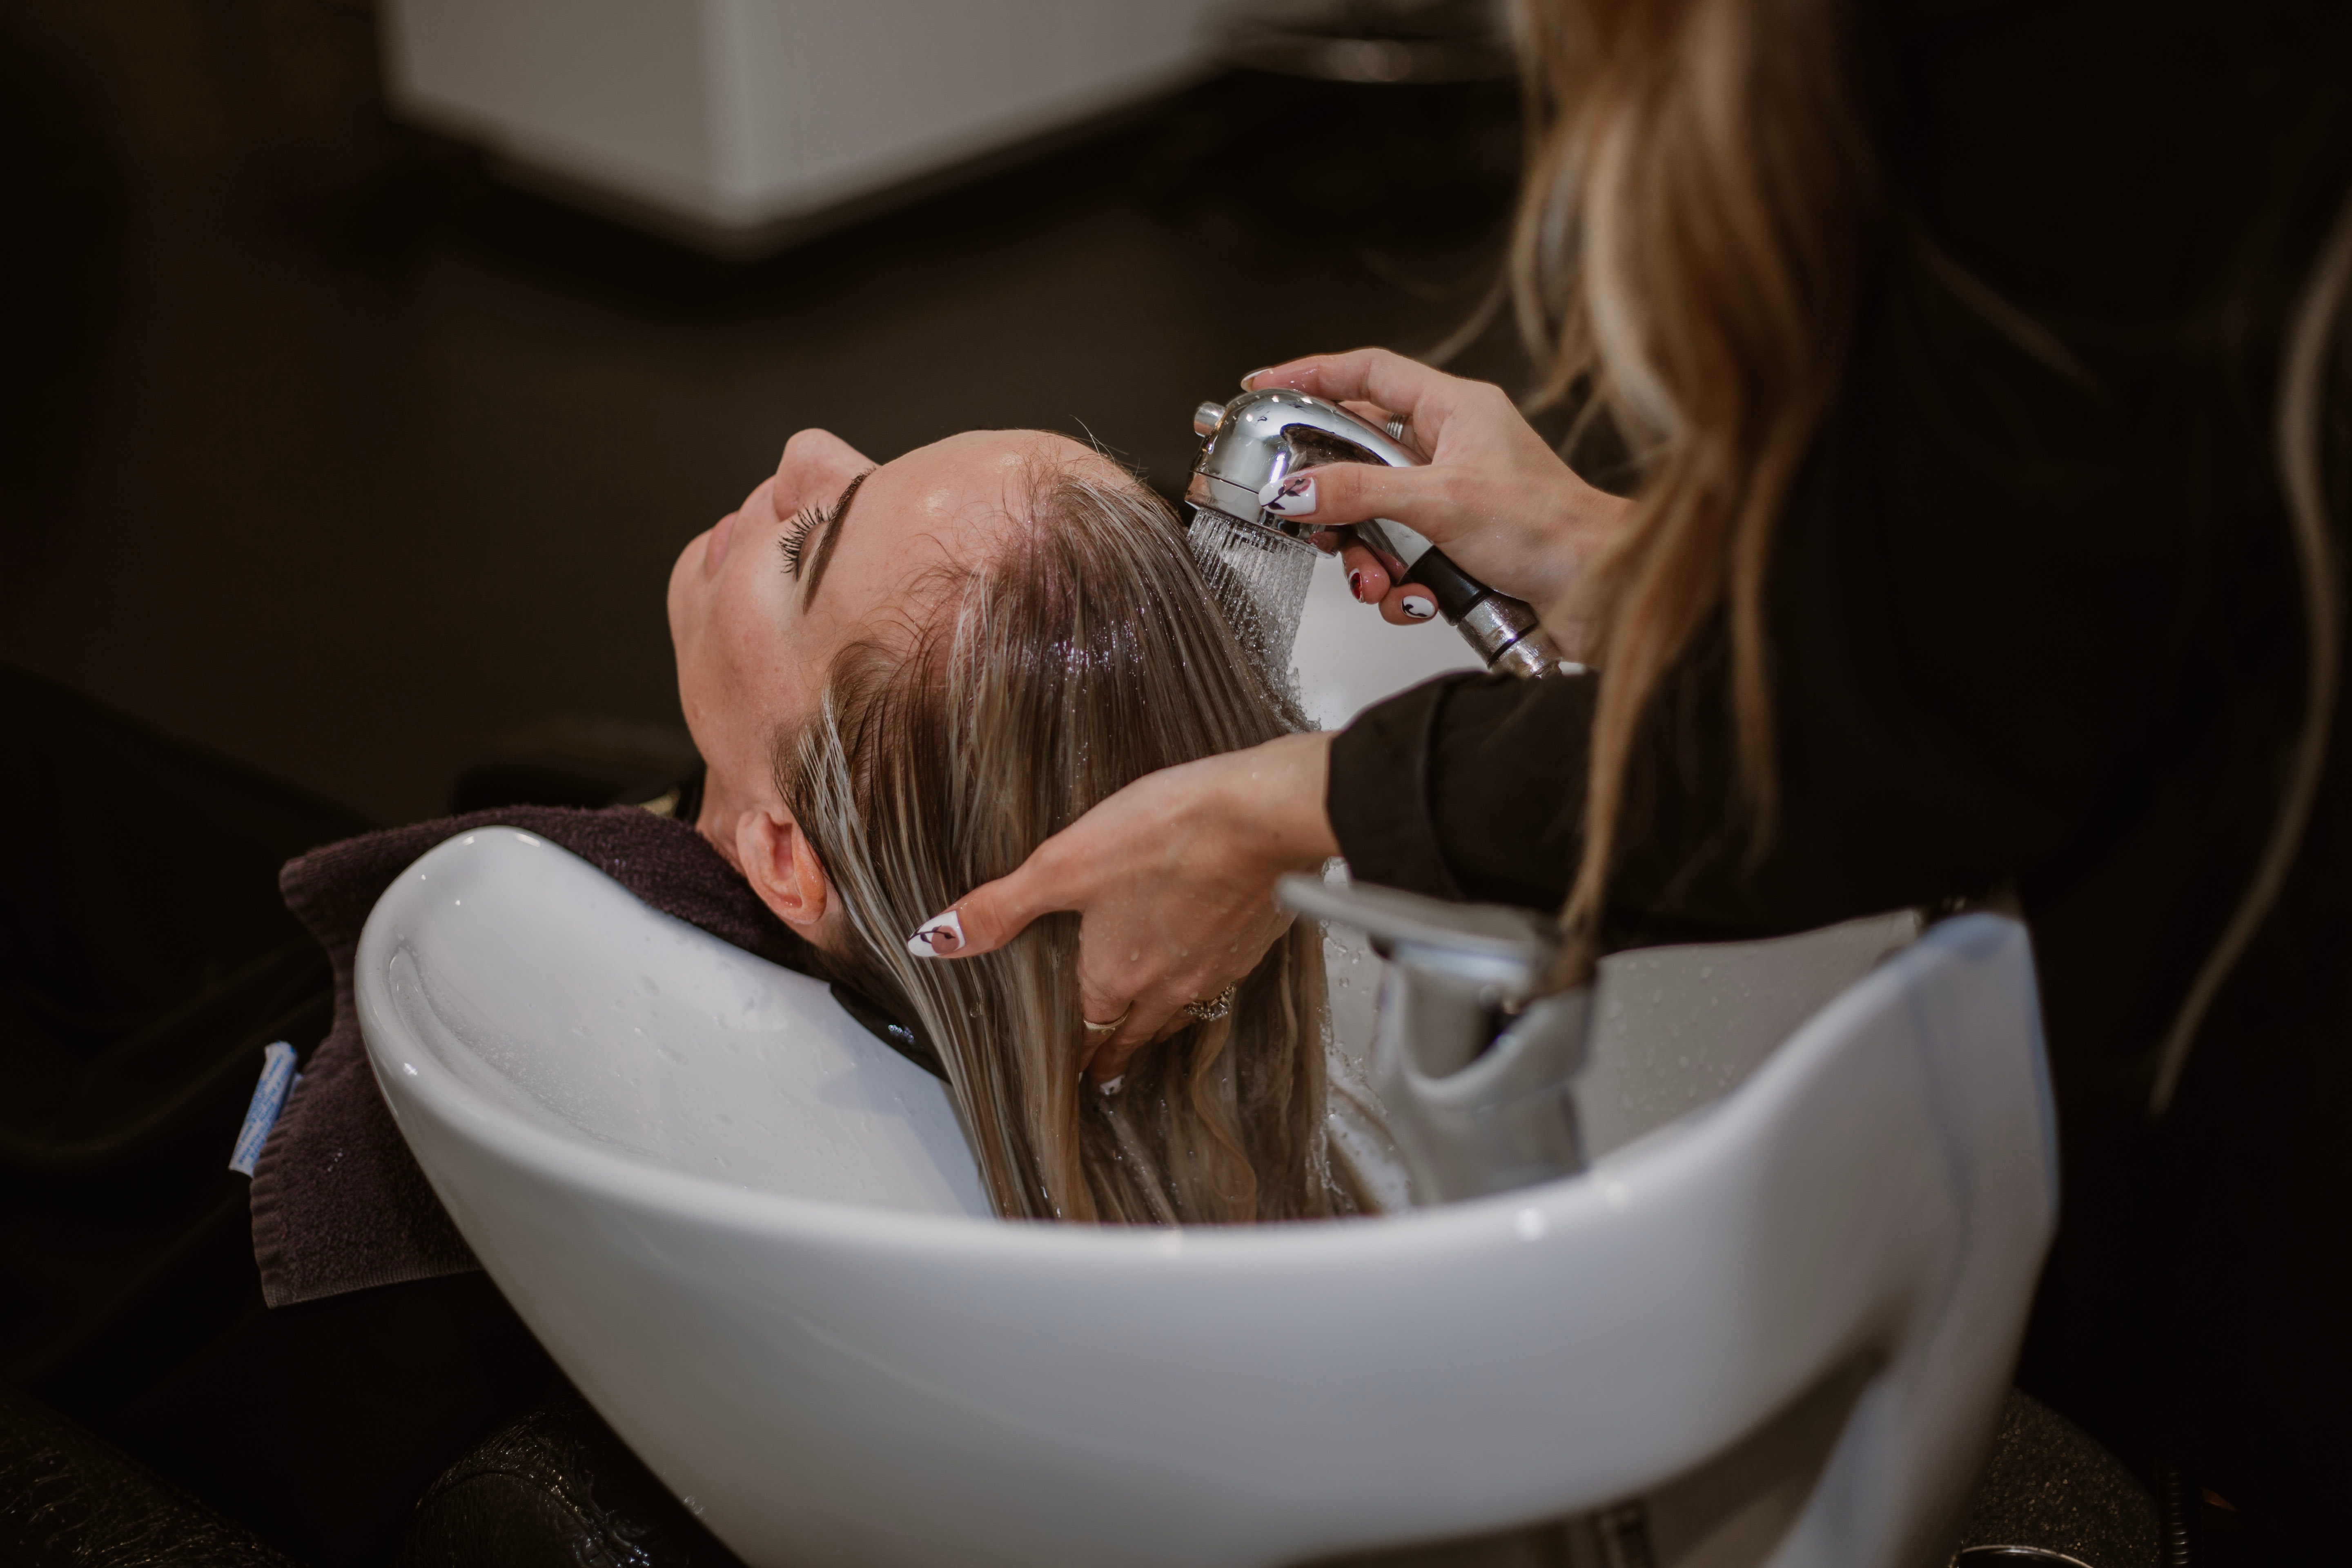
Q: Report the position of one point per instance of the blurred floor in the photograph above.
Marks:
(321, 448)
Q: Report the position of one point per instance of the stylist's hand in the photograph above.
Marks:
(1174, 879)
(1494, 494)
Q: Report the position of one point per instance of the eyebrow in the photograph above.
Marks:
(834, 520)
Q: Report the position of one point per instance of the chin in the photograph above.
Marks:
(674, 596)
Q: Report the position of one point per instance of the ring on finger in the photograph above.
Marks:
(1396, 426)
(1106, 1030)
(1216, 1007)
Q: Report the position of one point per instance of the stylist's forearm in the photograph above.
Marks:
(1272, 800)
(1211, 836)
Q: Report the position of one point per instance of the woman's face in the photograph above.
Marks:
(760, 604)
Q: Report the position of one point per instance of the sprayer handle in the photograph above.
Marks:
(1505, 631)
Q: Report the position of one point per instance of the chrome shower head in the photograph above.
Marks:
(1260, 436)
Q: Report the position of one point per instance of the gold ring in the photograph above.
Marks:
(1106, 1029)
(1216, 1007)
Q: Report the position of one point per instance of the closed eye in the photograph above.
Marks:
(797, 533)
(821, 528)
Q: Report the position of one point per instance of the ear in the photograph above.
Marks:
(783, 870)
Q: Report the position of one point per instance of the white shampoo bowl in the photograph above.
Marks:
(753, 1238)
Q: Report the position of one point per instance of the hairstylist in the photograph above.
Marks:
(1979, 361)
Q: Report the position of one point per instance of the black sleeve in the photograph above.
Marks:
(1470, 787)
(1975, 614)
(2012, 583)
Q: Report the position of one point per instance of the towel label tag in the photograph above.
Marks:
(278, 1080)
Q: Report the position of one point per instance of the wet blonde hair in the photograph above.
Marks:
(1084, 654)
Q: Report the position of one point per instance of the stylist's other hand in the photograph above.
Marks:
(1505, 507)
(1173, 881)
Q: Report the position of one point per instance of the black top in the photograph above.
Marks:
(2036, 621)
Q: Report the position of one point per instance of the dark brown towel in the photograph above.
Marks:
(338, 1204)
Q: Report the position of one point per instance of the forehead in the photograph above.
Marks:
(958, 493)
(950, 504)
(986, 471)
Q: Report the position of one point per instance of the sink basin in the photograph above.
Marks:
(1773, 1322)
(752, 1237)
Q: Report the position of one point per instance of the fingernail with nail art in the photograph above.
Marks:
(1356, 586)
(1419, 608)
(1292, 497)
(940, 937)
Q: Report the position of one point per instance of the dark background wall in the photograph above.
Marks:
(326, 450)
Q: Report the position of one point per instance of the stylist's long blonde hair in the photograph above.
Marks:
(1698, 200)
(1689, 249)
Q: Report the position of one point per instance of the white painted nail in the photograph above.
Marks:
(1292, 497)
(940, 936)
(1419, 608)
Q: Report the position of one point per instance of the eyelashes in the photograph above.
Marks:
(805, 521)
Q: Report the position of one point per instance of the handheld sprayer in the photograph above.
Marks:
(1259, 437)
(1474, 1061)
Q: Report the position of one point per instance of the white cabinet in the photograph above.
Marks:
(737, 121)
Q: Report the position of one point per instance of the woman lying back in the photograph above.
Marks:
(902, 680)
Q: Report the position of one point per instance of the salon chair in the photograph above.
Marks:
(1777, 1327)
(558, 1487)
